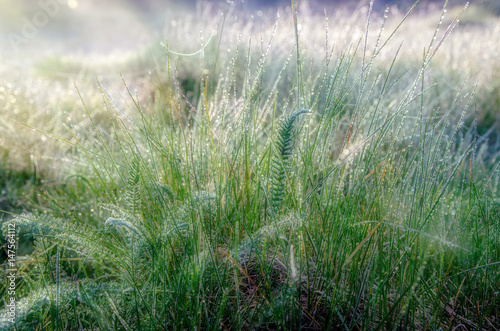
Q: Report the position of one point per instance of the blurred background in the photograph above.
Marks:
(76, 26)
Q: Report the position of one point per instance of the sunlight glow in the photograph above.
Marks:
(72, 4)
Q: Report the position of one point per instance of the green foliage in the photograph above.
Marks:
(75, 304)
(379, 210)
(280, 163)
(132, 194)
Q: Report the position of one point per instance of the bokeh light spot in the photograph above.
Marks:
(72, 4)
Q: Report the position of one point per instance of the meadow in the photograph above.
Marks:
(271, 169)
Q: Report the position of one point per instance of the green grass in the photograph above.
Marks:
(268, 189)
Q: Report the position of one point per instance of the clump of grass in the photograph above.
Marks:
(222, 210)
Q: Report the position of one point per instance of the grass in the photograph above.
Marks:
(263, 184)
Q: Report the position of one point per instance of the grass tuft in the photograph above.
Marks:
(202, 202)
